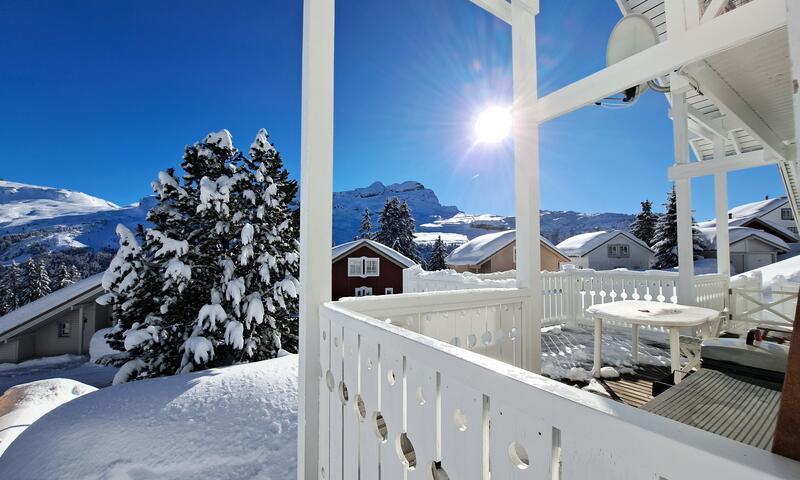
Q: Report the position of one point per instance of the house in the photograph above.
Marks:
(61, 322)
(772, 215)
(497, 252)
(607, 250)
(365, 267)
(750, 248)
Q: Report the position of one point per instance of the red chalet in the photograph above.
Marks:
(365, 267)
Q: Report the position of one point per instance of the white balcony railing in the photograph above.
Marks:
(397, 404)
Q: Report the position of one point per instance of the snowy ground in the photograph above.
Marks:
(72, 367)
(234, 423)
(567, 351)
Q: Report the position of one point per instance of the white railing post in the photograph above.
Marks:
(526, 173)
(316, 190)
(683, 193)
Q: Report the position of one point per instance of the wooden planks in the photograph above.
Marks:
(637, 389)
(739, 409)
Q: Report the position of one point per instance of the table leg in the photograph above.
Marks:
(635, 341)
(675, 352)
(598, 342)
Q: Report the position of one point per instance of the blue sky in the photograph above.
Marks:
(99, 96)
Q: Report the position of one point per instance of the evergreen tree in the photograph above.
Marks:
(10, 290)
(37, 281)
(665, 239)
(365, 230)
(220, 263)
(63, 276)
(74, 273)
(438, 255)
(644, 225)
(397, 229)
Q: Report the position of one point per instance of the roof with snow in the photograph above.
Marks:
(340, 251)
(479, 249)
(738, 234)
(758, 209)
(758, 223)
(582, 244)
(36, 312)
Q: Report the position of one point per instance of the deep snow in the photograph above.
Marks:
(234, 423)
(73, 367)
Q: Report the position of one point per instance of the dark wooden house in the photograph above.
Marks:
(365, 267)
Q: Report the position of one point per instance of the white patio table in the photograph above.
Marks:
(640, 312)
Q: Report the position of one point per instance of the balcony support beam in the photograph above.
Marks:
(721, 207)
(757, 158)
(683, 193)
(316, 213)
(526, 176)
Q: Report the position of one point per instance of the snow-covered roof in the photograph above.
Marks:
(740, 233)
(341, 250)
(479, 249)
(784, 233)
(50, 304)
(758, 208)
(582, 244)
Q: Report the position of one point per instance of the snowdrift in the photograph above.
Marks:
(234, 423)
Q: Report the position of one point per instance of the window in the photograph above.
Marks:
(618, 251)
(389, 291)
(786, 214)
(64, 329)
(793, 229)
(363, 267)
(363, 291)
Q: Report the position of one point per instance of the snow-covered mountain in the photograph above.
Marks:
(36, 219)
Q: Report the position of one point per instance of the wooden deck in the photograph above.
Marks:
(635, 389)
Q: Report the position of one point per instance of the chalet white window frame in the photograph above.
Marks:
(388, 291)
(618, 250)
(786, 213)
(363, 291)
(64, 329)
(363, 267)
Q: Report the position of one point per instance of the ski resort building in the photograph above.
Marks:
(607, 251)
(365, 267)
(61, 322)
(448, 384)
(497, 252)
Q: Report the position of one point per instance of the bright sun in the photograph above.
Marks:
(493, 125)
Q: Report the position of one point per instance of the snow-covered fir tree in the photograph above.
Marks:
(10, 289)
(665, 239)
(397, 228)
(223, 254)
(644, 225)
(365, 229)
(36, 282)
(63, 276)
(74, 273)
(438, 255)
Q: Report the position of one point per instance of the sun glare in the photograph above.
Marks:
(493, 125)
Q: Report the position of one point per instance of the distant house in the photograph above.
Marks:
(607, 250)
(773, 215)
(59, 323)
(365, 267)
(750, 248)
(497, 252)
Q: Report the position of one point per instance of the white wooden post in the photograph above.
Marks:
(683, 192)
(721, 199)
(316, 196)
(793, 26)
(526, 174)
(80, 329)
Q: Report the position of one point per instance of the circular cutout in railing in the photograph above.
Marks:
(369, 363)
(405, 451)
(336, 342)
(487, 338)
(361, 408)
(380, 427)
(420, 396)
(343, 395)
(438, 472)
(390, 377)
(460, 420)
(329, 380)
(472, 340)
(513, 334)
(518, 456)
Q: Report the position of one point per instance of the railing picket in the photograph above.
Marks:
(462, 432)
(369, 390)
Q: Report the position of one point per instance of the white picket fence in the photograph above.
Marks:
(568, 293)
(397, 404)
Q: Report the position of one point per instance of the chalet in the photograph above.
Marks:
(366, 267)
(750, 248)
(607, 250)
(772, 215)
(59, 323)
(497, 252)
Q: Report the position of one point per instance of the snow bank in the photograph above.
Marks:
(43, 362)
(99, 347)
(234, 423)
(23, 404)
(774, 274)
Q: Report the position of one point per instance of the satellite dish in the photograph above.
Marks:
(632, 34)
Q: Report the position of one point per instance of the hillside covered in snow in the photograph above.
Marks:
(36, 219)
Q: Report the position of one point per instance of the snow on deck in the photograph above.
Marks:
(234, 423)
(42, 305)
